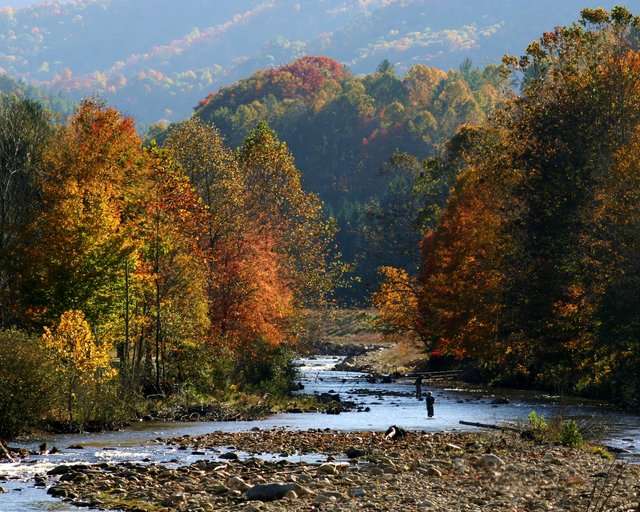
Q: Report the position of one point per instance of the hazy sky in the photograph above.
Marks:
(23, 3)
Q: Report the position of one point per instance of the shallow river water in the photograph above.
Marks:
(387, 403)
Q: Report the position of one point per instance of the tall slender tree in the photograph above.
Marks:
(24, 130)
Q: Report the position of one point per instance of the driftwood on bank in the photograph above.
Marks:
(4, 453)
(445, 375)
(494, 427)
(526, 433)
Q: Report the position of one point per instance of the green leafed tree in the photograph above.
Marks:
(24, 130)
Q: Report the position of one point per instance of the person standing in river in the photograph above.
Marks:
(418, 385)
(430, 401)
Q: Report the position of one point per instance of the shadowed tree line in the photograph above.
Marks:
(531, 269)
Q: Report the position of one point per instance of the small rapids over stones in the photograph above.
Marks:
(295, 445)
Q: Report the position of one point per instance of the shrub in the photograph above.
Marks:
(82, 365)
(267, 369)
(570, 434)
(567, 433)
(25, 383)
(539, 425)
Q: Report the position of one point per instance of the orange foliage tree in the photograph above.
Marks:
(268, 243)
(397, 301)
(174, 264)
(460, 302)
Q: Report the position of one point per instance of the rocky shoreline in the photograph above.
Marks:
(341, 471)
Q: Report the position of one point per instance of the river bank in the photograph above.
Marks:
(359, 470)
(194, 463)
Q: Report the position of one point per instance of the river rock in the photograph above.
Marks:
(354, 453)
(291, 495)
(269, 492)
(327, 469)
(326, 398)
(431, 470)
(490, 460)
(500, 401)
(217, 489)
(173, 501)
(322, 499)
(59, 470)
(57, 492)
(406, 477)
(375, 471)
(235, 482)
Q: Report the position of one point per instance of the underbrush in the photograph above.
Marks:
(555, 430)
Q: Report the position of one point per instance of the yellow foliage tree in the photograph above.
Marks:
(397, 301)
(81, 363)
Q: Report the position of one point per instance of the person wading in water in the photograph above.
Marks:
(430, 402)
(418, 385)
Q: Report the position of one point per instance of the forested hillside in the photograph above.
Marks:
(156, 59)
(57, 102)
(505, 226)
(359, 140)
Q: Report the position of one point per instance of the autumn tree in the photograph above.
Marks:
(212, 170)
(268, 243)
(610, 355)
(579, 105)
(277, 203)
(81, 237)
(243, 271)
(397, 302)
(520, 267)
(81, 363)
(172, 300)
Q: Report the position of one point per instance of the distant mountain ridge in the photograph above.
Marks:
(155, 59)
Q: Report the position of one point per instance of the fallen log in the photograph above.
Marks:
(5, 453)
(494, 427)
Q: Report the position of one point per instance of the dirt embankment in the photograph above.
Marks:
(352, 333)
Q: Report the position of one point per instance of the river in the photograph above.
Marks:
(380, 405)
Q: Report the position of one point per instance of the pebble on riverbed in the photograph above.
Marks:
(436, 472)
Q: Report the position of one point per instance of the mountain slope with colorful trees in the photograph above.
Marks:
(349, 134)
(156, 59)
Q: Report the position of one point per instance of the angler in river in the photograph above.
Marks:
(430, 401)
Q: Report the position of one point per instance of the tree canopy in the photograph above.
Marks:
(530, 266)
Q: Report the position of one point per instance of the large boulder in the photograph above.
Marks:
(270, 492)
(354, 453)
(327, 398)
